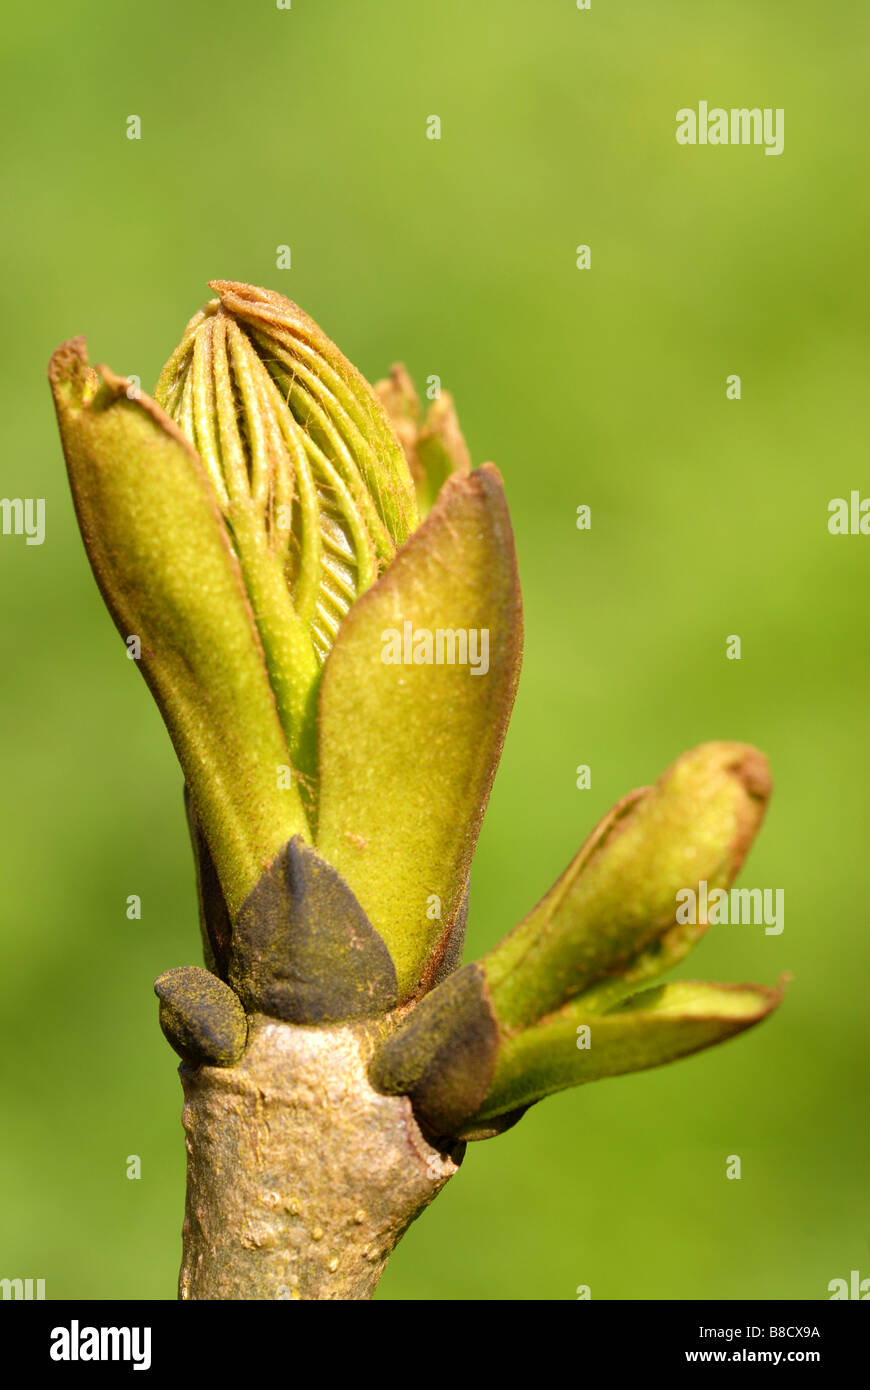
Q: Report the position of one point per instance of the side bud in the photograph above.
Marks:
(547, 1008)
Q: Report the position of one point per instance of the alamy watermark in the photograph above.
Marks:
(849, 516)
(747, 906)
(75, 1343)
(444, 647)
(23, 516)
(856, 1287)
(713, 125)
(25, 1289)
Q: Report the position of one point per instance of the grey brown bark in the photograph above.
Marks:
(301, 1178)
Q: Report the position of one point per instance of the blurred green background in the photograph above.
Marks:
(306, 127)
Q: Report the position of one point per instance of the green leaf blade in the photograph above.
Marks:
(658, 1026)
(616, 904)
(167, 572)
(408, 751)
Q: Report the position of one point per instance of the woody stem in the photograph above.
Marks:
(301, 1178)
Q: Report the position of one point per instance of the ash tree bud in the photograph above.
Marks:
(258, 526)
(308, 475)
(608, 926)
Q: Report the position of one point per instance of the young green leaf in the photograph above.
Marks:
(617, 900)
(409, 743)
(168, 573)
(649, 1029)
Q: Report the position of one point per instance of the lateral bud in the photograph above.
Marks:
(201, 1017)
